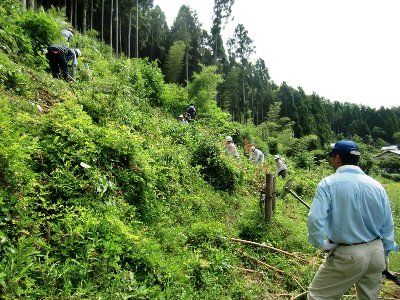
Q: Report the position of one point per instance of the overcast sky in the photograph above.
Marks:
(343, 50)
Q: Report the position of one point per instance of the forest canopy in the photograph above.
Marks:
(139, 29)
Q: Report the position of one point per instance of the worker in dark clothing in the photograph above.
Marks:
(191, 112)
(59, 56)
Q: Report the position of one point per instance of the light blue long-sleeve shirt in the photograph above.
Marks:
(350, 207)
(258, 156)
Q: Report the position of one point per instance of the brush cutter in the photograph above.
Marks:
(391, 276)
(286, 190)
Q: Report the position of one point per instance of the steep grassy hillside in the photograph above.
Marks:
(105, 196)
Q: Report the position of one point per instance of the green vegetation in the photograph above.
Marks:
(104, 195)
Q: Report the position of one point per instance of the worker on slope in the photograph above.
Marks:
(257, 156)
(58, 56)
(281, 168)
(231, 147)
(191, 112)
(68, 34)
(182, 120)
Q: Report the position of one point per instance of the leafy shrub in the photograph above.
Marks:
(319, 155)
(8, 7)
(12, 76)
(16, 148)
(13, 40)
(367, 162)
(251, 229)
(273, 145)
(239, 135)
(394, 177)
(203, 90)
(390, 164)
(40, 28)
(174, 99)
(217, 171)
(15, 43)
(154, 81)
(304, 159)
(203, 234)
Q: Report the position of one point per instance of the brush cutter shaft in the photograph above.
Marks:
(298, 198)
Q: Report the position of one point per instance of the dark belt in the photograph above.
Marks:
(354, 244)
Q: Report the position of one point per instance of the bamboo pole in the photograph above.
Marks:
(71, 78)
(247, 270)
(273, 268)
(270, 248)
(299, 296)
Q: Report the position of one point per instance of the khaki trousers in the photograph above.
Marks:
(345, 266)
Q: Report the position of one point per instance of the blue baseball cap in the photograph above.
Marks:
(345, 146)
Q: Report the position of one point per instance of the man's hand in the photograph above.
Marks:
(327, 245)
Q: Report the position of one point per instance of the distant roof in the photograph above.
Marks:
(388, 152)
(394, 151)
(393, 147)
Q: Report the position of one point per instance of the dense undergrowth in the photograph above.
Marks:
(104, 195)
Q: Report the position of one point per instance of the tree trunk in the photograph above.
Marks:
(152, 43)
(187, 64)
(91, 14)
(31, 4)
(120, 36)
(244, 99)
(137, 30)
(71, 11)
(116, 28)
(102, 20)
(23, 5)
(84, 16)
(262, 113)
(76, 13)
(129, 33)
(252, 107)
(111, 24)
(216, 49)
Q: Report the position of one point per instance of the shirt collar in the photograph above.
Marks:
(349, 169)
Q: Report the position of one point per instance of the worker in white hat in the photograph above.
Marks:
(231, 147)
(257, 156)
(182, 119)
(281, 168)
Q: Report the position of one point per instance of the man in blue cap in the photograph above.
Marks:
(351, 218)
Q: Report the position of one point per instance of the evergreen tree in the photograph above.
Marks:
(240, 47)
(186, 28)
(175, 61)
